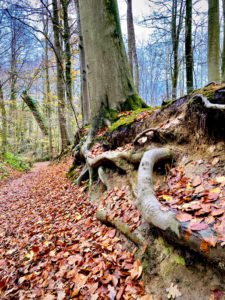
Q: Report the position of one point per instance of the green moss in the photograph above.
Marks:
(221, 266)
(133, 102)
(207, 92)
(179, 260)
(128, 120)
(15, 162)
(70, 173)
(111, 114)
(3, 171)
(112, 9)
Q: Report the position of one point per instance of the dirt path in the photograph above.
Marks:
(53, 247)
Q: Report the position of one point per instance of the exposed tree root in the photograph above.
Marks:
(83, 175)
(122, 160)
(208, 104)
(143, 133)
(149, 208)
(135, 236)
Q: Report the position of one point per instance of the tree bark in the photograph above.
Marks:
(188, 47)
(66, 38)
(60, 83)
(129, 34)
(213, 41)
(33, 106)
(48, 102)
(110, 81)
(175, 35)
(85, 101)
(223, 53)
(131, 39)
(4, 122)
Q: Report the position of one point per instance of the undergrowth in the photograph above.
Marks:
(15, 162)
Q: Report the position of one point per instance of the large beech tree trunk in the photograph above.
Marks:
(213, 41)
(60, 83)
(110, 82)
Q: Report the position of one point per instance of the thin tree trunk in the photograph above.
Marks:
(4, 122)
(66, 39)
(188, 46)
(223, 53)
(213, 41)
(85, 102)
(175, 35)
(60, 83)
(48, 102)
(134, 50)
(129, 34)
(33, 106)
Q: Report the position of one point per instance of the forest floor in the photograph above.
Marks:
(53, 247)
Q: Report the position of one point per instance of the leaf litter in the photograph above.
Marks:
(53, 247)
(199, 201)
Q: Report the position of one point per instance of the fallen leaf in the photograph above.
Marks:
(220, 179)
(61, 295)
(215, 161)
(183, 217)
(173, 291)
(198, 227)
(147, 297)
(167, 198)
(197, 181)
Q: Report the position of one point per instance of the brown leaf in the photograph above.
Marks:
(197, 181)
(215, 161)
(198, 227)
(147, 297)
(49, 297)
(120, 293)
(217, 212)
(183, 217)
(173, 291)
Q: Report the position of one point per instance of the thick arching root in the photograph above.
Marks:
(149, 208)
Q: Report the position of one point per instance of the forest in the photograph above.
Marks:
(112, 149)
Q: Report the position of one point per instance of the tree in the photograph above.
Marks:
(213, 41)
(132, 52)
(110, 82)
(176, 26)
(66, 39)
(4, 121)
(188, 46)
(223, 53)
(60, 82)
(85, 102)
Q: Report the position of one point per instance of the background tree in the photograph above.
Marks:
(213, 41)
(132, 52)
(188, 47)
(176, 26)
(60, 83)
(85, 102)
(223, 52)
